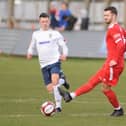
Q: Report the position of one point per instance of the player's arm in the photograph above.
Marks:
(112, 63)
(31, 48)
(64, 53)
(64, 49)
(119, 40)
(63, 57)
(124, 31)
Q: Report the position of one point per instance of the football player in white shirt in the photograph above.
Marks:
(51, 49)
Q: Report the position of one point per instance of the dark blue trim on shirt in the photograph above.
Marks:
(44, 42)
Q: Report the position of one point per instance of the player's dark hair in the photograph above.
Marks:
(112, 9)
(44, 15)
(66, 3)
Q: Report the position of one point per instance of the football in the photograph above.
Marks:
(48, 108)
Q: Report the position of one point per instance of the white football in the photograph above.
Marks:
(48, 108)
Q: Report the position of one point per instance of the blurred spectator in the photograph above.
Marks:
(53, 12)
(66, 18)
(84, 19)
(11, 22)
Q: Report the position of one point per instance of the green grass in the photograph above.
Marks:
(22, 92)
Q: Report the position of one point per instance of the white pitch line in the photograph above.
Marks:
(71, 115)
(93, 102)
(19, 115)
(89, 114)
(19, 100)
(25, 100)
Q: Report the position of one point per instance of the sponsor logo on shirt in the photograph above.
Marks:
(44, 42)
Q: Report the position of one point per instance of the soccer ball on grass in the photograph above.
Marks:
(48, 108)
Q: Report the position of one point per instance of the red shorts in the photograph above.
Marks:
(109, 75)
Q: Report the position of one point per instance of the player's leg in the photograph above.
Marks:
(55, 72)
(110, 79)
(86, 87)
(63, 80)
(51, 79)
(57, 96)
(111, 96)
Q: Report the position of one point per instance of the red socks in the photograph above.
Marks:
(112, 98)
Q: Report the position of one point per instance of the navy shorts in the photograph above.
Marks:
(49, 70)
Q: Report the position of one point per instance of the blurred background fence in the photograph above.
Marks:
(81, 43)
(18, 19)
(24, 13)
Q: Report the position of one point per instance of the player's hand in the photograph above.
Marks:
(50, 88)
(112, 63)
(29, 56)
(63, 57)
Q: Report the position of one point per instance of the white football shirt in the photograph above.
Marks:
(49, 44)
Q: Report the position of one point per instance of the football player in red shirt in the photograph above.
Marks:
(111, 70)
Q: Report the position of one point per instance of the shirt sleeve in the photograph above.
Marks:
(118, 37)
(32, 45)
(124, 31)
(62, 44)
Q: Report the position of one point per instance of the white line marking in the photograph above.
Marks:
(85, 101)
(19, 115)
(93, 102)
(19, 100)
(71, 115)
(89, 114)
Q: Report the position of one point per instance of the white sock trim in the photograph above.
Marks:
(118, 108)
(57, 97)
(72, 94)
(61, 81)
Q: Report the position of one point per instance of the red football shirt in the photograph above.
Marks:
(115, 42)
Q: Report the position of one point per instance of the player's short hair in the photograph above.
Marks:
(44, 15)
(65, 3)
(112, 9)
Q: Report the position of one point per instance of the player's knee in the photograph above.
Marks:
(105, 87)
(55, 79)
(55, 82)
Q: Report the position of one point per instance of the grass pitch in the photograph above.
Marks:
(22, 92)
